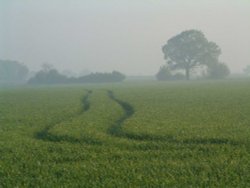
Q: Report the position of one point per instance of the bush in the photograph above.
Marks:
(48, 77)
(218, 71)
(101, 77)
(166, 74)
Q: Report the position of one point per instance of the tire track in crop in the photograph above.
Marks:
(47, 136)
(116, 129)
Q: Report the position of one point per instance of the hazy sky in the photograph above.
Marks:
(123, 35)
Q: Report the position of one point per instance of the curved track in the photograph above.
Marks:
(47, 136)
(116, 129)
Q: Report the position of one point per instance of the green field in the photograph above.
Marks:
(183, 134)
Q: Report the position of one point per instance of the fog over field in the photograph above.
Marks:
(121, 35)
(124, 93)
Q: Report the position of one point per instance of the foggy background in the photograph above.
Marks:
(123, 35)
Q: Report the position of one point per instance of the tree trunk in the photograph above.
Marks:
(187, 73)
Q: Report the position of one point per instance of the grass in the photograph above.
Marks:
(184, 134)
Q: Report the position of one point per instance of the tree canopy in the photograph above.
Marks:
(188, 50)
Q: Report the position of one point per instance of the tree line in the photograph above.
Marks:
(52, 76)
(14, 72)
(185, 53)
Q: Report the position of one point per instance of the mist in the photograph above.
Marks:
(95, 35)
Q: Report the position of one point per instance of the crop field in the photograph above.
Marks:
(183, 134)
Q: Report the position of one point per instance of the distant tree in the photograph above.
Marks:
(12, 71)
(46, 67)
(218, 70)
(51, 76)
(188, 50)
(247, 70)
(165, 73)
(117, 76)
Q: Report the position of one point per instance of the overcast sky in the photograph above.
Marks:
(123, 35)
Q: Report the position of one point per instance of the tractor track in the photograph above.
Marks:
(116, 129)
(47, 136)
